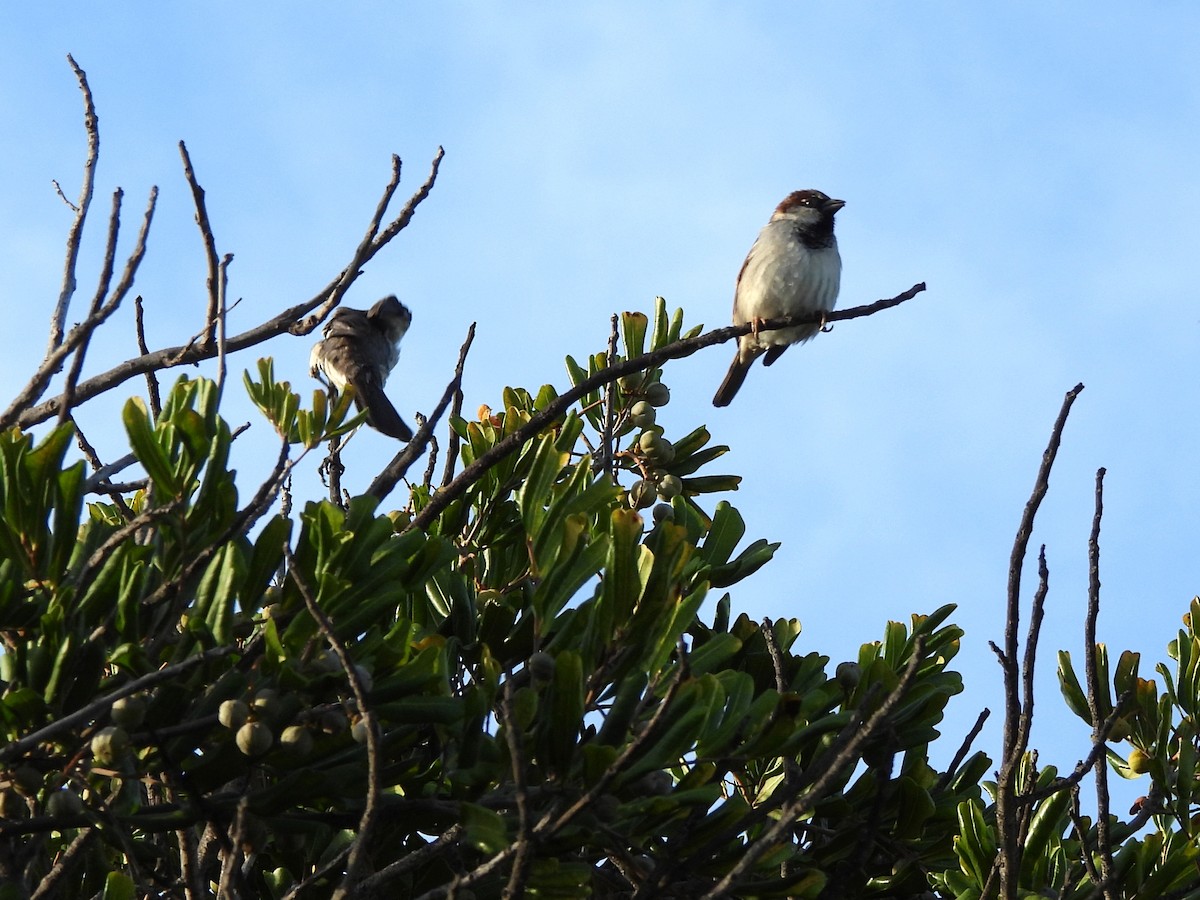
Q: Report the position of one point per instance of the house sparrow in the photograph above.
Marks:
(793, 268)
(360, 348)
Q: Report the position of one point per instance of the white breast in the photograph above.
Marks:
(782, 277)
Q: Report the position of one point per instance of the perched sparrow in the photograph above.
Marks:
(360, 348)
(793, 268)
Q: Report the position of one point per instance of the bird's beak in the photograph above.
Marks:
(832, 206)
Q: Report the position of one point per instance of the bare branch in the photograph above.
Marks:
(110, 252)
(151, 378)
(607, 461)
(210, 248)
(1099, 734)
(75, 235)
(540, 420)
(1037, 613)
(222, 311)
(1015, 727)
(963, 750)
(452, 446)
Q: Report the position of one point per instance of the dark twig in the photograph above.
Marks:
(222, 311)
(607, 453)
(210, 249)
(101, 476)
(963, 750)
(768, 633)
(366, 824)
(427, 481)
(452, 446)
(75, 235)
(540, 420)
(1099, 733)
(1036, 615)
(1007, 807)
(151, 376)
(395, 470)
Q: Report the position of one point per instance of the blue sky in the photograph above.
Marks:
(1034, 164)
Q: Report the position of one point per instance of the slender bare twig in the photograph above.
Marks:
(366, 824)
(395, 470)
(540, 420)
(768, 633)
(452, 446)
(151, 377)
(1036, 615)
(222, 311)
(63, 197)
(1099, 734)
(106, 271)
(427, 481)
(75, 235)
(963, 750)
(210, 248)
(290, 320)
(1007, 807)
(607, 461)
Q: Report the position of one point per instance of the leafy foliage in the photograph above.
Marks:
(543, 681)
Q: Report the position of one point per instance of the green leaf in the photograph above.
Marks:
(633, 331)
(484, 829)
(118, 886)
(146, 447)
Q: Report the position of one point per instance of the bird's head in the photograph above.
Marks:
(807, 208)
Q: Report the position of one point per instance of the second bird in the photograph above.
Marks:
(793, 268)
(360, 348)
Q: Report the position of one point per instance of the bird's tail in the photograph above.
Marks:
(733, 381)
(381, 415)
